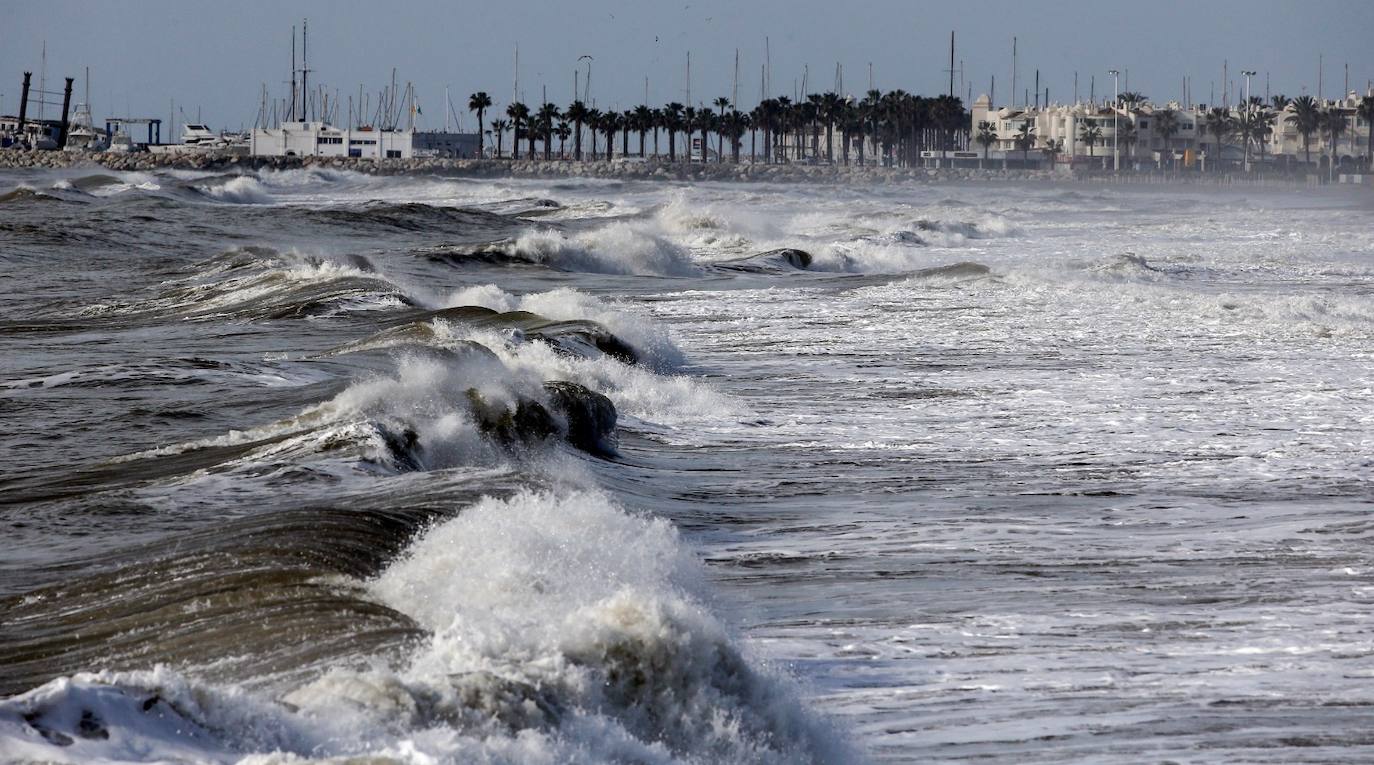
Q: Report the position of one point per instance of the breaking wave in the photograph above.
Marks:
(559, 629)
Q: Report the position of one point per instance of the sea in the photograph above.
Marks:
(312, 465)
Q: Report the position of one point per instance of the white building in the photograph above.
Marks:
(1140, 142)
(1352, 145)
(320, 139)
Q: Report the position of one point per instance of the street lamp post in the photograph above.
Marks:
(1248, 73)
(1116, 116)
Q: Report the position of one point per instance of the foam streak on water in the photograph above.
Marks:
(310, 465)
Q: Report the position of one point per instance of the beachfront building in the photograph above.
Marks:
(320, 139)
(1352, 146)
(1085, 133)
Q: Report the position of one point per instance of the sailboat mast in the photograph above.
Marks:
(305, 70)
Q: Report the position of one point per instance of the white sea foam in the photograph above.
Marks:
(243, 190)
(564, 629)
(649, 338)
(617, 248)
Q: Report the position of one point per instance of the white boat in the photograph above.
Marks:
(121, 143)
(82, 134)
(200, 139)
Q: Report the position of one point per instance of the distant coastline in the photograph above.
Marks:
(618, 170)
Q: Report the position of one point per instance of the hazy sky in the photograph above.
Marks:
(216, 56)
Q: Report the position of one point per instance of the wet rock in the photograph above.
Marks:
(51, 735)
(591, 416)
(91, 727)
(527, 423)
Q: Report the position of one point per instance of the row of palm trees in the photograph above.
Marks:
(896, 125)
(1252, 123)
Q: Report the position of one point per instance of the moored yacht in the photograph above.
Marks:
(82, 135)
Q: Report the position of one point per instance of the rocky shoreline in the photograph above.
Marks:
(614, 170)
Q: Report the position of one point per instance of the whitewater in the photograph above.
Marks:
(315, 466)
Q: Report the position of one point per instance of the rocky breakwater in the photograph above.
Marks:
(519, 168)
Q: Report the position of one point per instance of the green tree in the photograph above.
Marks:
(594, 117)
(643, 122)
(672, 123)
(479, 102)
(563, 131)
(499, 128)
(1126, 133)
(1131, 100)
(1025, 140)
(986, 137)
(1307, 118)
(1365, 111)
(577, 112)
(1252, 127)
(722, 103)
(1166, 127)
(1334, 126)
(1220, 124)
(611, 123)
(1052, 149)
(547, 117)
(519, 119)
(1091, 134)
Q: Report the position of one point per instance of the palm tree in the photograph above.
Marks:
(594, 117)
(1131, 100)
(1221, 124)
(1334, 125)
(548, 115)
(1306, 117)
(519, 119)
(611, 122)
(871, 108)
(1280, 102)
(947, 114)
(722, 103)
(643, 121)
(1091, 134)
(1025, 139)
(782, 126)
(1166, 126)
(844, 120)
(1251, 127)
(499, 127)
(1126, 133)
(832, 106)
(655, 125)
(672, 123)
(1053, 148)
(562, 131)
(1365, 111)
(986, 137)
(577, 112)
(1263, 127)
(706, 121)
(733, 126)
(479, 102)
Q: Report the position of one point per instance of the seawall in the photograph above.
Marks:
(620, 170)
